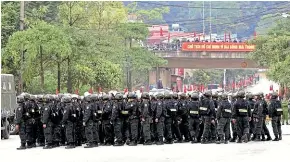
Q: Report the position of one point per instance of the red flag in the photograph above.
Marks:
(198, 37)
(255, 34)
(91, 90)
(168, 37)
(56, 91)
(271, 87)
(125, 90)
(194, 34)
(202, 88)
(161, 32)
(77, 92)
(184, 88)
(100, 89)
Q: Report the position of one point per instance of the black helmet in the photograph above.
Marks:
(94, 97)
(159, 96)
(47, 98)
(224, 96)
(119, 96)
(274, 95)
(106, 97)
(250, 96)
(20, 99)
(175, 95)
(66, 99)
(215, 95)
(182, 95)
(132, 96)
(145, 95)
(25, 95)
(40, 98)
(32, 97)
(207, 93)
(88, 98)
(241, 94)
(194, 95)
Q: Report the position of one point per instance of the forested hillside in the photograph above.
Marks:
(242, 17)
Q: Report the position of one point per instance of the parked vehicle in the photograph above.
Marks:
(8, 105)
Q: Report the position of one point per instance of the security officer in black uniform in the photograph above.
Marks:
(60, 105)
(265, 130)
(56, 119)
(213, 132)
(106, 122)
(133, 111)
(35, 115)
(224, 114)
(40, 133)
(88, 121)
(183, 115)
(146, 117)
(96, 118)
(153, 105)
(251, 102)
(275, 112)
(69, 119)
(50, 118)
(194, 117)
(21, 121)
(159, 118)
(259, 116)
(234, 125)
(170, 111)
(241, 115)
(207, 112)
(175, 118)
(116, 119)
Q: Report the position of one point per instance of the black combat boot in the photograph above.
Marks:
(245, 138)
(194, 140)
(96, 144)
(29, 145)
(169, 141)
(118, 143)
(240, 140)
(263, 138)
(233, 139)
(127, 142)
(258, 138)
(280, 136)
(48, 146)
(133, 143)
(90, 145)
(204, 141)
(254, 137)
(147, 143)
(22, 146)
(160, 141)
(42, 144)
(55, 144)
(178, 140)
(276, 138)
(269, 138)
(70, 146)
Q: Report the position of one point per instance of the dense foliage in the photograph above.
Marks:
(74, 46)
(273, 51)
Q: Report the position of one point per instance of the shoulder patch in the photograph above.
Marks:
(19, 109)
(159, 103)
(145, 104)
(46, 109)
(131, 104)
(88, 107)
(64, 111)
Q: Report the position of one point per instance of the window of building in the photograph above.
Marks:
(4, 85)
(9, 86)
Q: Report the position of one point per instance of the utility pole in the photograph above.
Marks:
(22, 9)
(203, 27)
(210, 20)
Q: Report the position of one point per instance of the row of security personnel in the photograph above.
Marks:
(118, 120)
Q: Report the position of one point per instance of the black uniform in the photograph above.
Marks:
(159, 120)
(183, 115)
(70, 119)
(116, 119)
(259, 115)
(132, 109)
(251, 103)
(107, 108)
(194, 119)
(241, 114)
(170, 111)
(88, 121)
(224, 114)
(207, 112)
(22, 122)
(275, 112)
(146, 118)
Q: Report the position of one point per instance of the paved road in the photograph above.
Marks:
(252, 151)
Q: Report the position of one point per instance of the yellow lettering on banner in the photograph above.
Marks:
(241, 46)
(197, 46)
(250, 46)
(208, 46)
(226, 47)
(222, 46)
(190, 46)
(203, 46)
(215, 47)
(233, 47)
